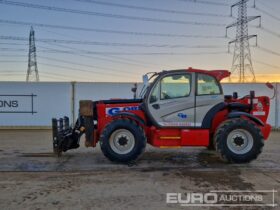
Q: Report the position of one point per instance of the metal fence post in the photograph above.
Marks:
(73, 99)
(276, 106)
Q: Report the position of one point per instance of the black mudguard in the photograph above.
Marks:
(236, 111)
(130, 115)
(207, 121)
(248, 115)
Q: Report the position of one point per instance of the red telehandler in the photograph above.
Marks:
(176, 108)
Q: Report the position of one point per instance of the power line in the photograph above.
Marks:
(269, 7)
(267, 64)
(108, 15)
(111, 44)
(120, 53)
(12, 61)
(52, 77)
(268, 51)
(271, 32)
(79, 70)
(133, 53)
(127, 61)
(266, 12)
(11, 43)
(85, 65)
(75, 63)
(206, 2)
(136, 61)
(77, 51)
(11, 72)
(117, 59)
(153, 9)
(21, 75)
(132, 33)
(48, 73)
(13, 49)
(6, 55)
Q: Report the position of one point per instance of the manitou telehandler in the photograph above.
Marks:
(176, 108)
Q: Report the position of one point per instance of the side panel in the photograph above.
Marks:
(197, 137)
(164, 138)
(204, 104)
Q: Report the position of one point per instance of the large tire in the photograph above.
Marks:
(238, 141)
(123, 141)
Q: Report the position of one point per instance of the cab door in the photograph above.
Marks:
(171, 102)
(208, 94)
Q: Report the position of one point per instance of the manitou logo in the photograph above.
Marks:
(4, 103)
(115, 110)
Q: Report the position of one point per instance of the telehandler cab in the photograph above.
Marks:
(176, 108)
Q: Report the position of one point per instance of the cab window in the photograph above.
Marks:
(154, 96)
(207, 85)
(175, 86)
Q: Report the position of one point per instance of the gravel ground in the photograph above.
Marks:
(32, 178)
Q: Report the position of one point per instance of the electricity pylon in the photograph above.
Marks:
(242, 63)
(32, 70)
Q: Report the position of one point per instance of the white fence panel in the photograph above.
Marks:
(277, 106)
(33, 104)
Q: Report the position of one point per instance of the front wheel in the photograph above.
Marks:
(122, 141)
(238, 141)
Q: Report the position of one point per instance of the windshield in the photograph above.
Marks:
(147, 80)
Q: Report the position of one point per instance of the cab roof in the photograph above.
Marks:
(218, 74)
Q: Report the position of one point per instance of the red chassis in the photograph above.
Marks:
(177, 137)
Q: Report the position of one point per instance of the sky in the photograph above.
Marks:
(120, 40)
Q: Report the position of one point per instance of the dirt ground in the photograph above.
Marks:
(32, 178)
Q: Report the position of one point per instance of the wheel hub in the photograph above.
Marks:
(122, 141)
(238, 140)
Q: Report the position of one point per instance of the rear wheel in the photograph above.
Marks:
(122, 141)
(238, 141)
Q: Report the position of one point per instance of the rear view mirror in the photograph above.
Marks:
(145, 79)
(176, 77)
(269, 85)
